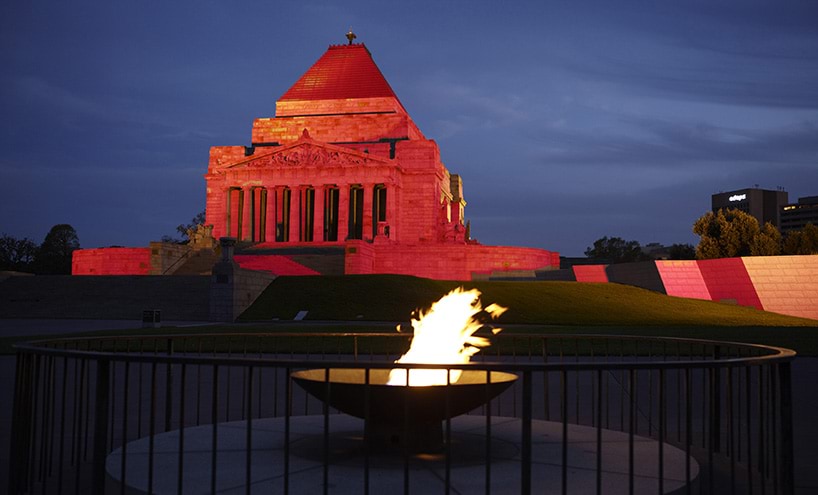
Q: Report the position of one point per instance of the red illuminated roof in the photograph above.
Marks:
(344, 71)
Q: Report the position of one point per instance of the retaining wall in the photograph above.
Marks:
(111, 261)
(782, 284)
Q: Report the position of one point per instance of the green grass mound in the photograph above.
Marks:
(396, 297)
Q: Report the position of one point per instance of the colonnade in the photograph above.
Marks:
(308, 213)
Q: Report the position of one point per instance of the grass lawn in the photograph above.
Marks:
(395, 297)
(534, 307)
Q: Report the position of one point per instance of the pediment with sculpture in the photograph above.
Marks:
(309, 152)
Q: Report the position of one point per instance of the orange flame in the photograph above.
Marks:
(445, 335)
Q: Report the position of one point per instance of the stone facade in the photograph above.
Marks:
(342, 163)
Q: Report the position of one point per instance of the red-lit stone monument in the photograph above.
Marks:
(342, 161)
(342, 165)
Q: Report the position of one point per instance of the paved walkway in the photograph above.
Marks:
(805, 374)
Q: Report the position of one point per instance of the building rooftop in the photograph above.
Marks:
(343, 72)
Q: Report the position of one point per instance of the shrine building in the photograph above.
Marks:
(343, 170)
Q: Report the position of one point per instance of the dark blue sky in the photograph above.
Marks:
(568, 121)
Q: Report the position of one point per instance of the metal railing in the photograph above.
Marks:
(144, 414)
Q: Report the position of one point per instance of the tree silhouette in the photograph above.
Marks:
(804, 241)
(54, 255)
(616, 250)
(16, 254)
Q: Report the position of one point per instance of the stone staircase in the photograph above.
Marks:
(199, 263)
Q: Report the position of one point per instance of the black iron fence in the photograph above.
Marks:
(222, 414)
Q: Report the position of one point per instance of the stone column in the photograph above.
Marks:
(246, 215)
(343, 212)
(270, 216)
(455, 211)
(391, 210)
(318, 215)
(228, 202)
(295, 213)
(369, 191)
(279, 210)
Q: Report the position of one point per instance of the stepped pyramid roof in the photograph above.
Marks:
(343, 72)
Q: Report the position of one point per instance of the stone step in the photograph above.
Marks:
(200, 263)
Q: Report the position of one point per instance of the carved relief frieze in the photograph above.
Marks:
(309, 156)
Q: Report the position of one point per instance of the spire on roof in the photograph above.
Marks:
(350, 35)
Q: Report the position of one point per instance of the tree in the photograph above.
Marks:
(616, 250)
(804, 241)
(725, 234)
(182, 229)
(682, 252)
(767, 242)
(16, 254)
(54, 255)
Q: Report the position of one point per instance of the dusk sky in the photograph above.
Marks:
(568, 121)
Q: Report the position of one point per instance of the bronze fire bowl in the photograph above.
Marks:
(401, 414)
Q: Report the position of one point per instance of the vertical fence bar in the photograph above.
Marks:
(249, 433)
(748, 399)
(739, 415)
(367, 426)
(88, 415)
(288, 397)
(688, 425)
(632, 426)
(711, 426)
(546, 399)
(599, 432)
(140, 373)
(448, 447)
(662, 423)
(787, 456)
(35, 412)
(78, 426)
(488, 430)
(123, 464)
(101, 425)
(181, 460)
(325, 412)
(762, 470)
(61, 460)
(525, 472)
(564, 417)
(715, 430)
(405, 436)
(774, 404)
(731, 446)
(44, 423)
(112, 423)
(214, 416)
(169, 387)
(21, 425)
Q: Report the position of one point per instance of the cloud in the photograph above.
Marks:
(640, 64)
(33, 90)
(469, 106)
(663, 143)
